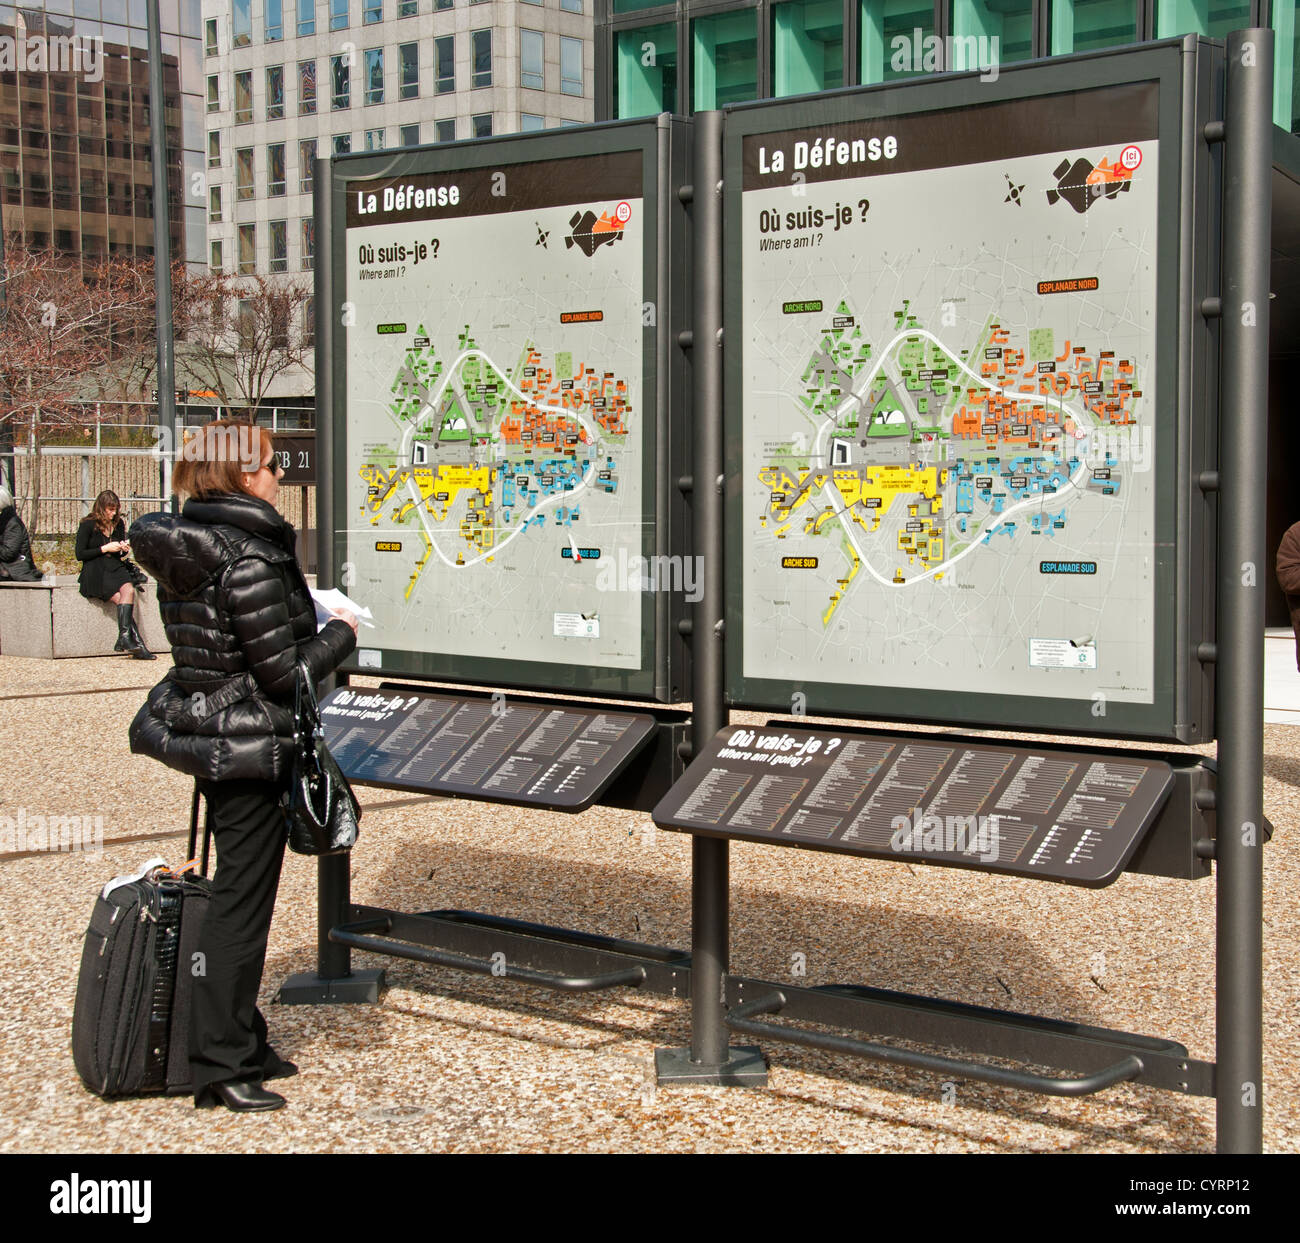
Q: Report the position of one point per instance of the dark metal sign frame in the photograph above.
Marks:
(661, 144)
(1182, 591)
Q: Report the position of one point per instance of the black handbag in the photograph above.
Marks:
(321, 812)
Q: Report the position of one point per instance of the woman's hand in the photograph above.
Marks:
(345, 615)
(115, 546)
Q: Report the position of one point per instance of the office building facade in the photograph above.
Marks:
(75, 166)
(290, 80)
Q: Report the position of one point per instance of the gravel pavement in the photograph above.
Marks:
(455, 1063)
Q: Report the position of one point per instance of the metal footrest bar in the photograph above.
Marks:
(536, 954)
(358, 936)
(741, 1019)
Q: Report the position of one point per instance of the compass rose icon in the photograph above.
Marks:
(1013, 191)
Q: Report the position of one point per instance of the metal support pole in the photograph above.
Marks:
(162, 253)
(710, 1059)
(334, 980)
(1243, 562)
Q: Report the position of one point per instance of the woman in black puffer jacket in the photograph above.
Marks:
(239, 618)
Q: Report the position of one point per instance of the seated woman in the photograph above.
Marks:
(107, 574)
(15, 548)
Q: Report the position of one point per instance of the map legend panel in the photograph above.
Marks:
(508, 751)
(1055, 815)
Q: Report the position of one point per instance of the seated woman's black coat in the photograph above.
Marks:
(238, 616)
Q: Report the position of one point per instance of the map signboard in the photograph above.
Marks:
(955, 401)
(499, 418)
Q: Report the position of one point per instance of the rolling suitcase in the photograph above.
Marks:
(130, 1021)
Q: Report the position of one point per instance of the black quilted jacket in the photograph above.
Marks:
(238, 617)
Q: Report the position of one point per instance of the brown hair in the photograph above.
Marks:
(219, 457)
(99, 511)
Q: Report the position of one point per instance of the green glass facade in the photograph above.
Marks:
(1089, 25)
(688, 55)
(896, 37)
(807, 46)
(645, 70)
(724, 59)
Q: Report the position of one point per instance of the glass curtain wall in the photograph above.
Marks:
(896, 36)
(991, 32)
(645, 71)
(807, 46)
(724, 59)
(1087, 25)
(1286, 64)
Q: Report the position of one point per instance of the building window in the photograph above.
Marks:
(244, 187)
(242, 25)
(216, 263)
(342, 144)
(210, 36)
(531, 63)
(309, 323)
(306, 17)
(808, 45)
(245, 320)
(1185, 17)
(1286, 66)
(243, 97)
(725, 59)
(275, 177)
(987, 33)
(1086, 25)
(306, 165)
(247, 249)
(890, 31)
(374, 140)
(480, 42)
(442, 4)
(214, 204)
(571, 66)
(645, 71)
(407, 8)
(342, 83)
(306, 87)
(308, 244)
(214, 148)
(274, 20)
(409, 135)
(529, 121)
(275, 92)
(338, 14)
(444, 131)
(372, 12)
(279, 245)
(481, 125)
(408, 55)
(571, 6)
(444, 64)
(214, 93)
(374, 75)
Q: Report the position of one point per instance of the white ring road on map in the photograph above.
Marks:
(832, 494)
(409, 435)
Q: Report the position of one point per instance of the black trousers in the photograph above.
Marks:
(227, 1030)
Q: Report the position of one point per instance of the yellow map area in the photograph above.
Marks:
(439, 488)
(867, 494)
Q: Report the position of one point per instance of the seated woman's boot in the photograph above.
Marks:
(125, 620)
(141, 652)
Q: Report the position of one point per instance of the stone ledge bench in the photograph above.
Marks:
(52, 619)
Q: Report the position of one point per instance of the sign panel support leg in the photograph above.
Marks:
(709, 1060)
(1243, 561)
(333, 980)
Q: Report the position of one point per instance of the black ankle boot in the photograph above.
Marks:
(125, 619)
(141, 652)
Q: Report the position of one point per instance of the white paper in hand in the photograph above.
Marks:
(332, 599)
